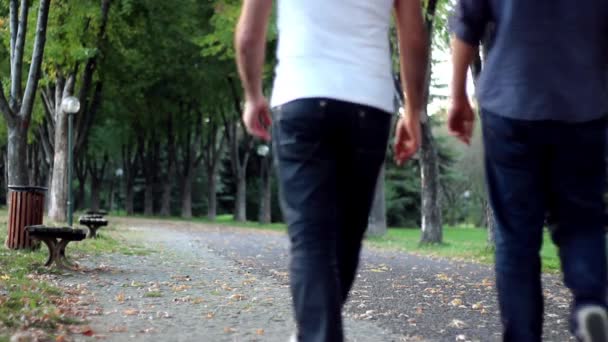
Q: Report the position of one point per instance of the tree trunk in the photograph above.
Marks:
(165, 207)
(111, 195)
(432, 230)
(17, 150)
(491, 226)
(377, 218)
(129, 194)
(81, 174)
(58, 191)
(211, 195)
(95, 195)
(187, 195)
(240, 204)
(265, 215)
(80, 194)
(149, 199)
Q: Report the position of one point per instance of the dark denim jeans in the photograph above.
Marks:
(535, 169)
(328, 154)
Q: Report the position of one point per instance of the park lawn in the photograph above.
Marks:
(28, 298)
(461, 243)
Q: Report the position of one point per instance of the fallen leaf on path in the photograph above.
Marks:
(259, 332)
(120, 297)
(456, 302)
(237, 297)
(119, 329)
(210, 315)
(229, 330)
(477, 306)
(88, 332)
(458, 324)
(130, 312)
(444, 277)
(181, 288)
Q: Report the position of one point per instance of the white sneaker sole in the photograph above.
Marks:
(593, 324)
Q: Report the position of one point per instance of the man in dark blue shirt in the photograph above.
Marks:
(543, 98)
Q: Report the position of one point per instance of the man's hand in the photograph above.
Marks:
(461, 120)
(407, 137)
(250, 45)
(257, 117)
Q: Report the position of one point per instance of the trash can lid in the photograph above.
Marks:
(27, 188)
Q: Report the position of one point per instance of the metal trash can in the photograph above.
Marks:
(26, 209)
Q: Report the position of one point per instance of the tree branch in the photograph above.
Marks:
(4, 106)
(19, 48)
(14, 26)
(37, 54)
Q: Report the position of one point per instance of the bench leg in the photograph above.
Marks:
(51, 244)
(61, 258)
(92, 232)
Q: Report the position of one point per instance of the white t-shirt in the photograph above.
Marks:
(336, 49)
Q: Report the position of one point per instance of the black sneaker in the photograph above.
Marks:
(592, 322)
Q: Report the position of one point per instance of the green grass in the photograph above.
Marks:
(223, 220)
(227, 220)
(109, 240)
(24, 295)
(462, 243)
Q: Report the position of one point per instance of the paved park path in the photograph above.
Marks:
(215, 283)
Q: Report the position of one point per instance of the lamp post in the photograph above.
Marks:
(70, 105)
(119, 172)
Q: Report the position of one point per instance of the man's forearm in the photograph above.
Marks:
(462, 57)
(250, 44)
(413, 51)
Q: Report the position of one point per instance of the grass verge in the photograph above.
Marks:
(29, 301)
(460, 243)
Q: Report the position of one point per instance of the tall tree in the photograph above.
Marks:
(432, 228)
(377, 223)
(191, 156)
(476, 68)
(17, 110)
(97, 171)
(213, 146)
(239, 159)
(64, 69)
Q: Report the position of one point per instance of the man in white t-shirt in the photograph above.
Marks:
(332, 103)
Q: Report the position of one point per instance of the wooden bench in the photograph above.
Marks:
(56, 239)
(93, 222)
(96, 212)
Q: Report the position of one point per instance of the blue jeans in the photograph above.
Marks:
(535, 169)
(328, 155)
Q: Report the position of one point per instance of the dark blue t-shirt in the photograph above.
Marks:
(548, 59)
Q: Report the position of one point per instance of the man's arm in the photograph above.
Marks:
(462, 57)
(250, 44)
(413, 54)
(468, 26)
(413, 51)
